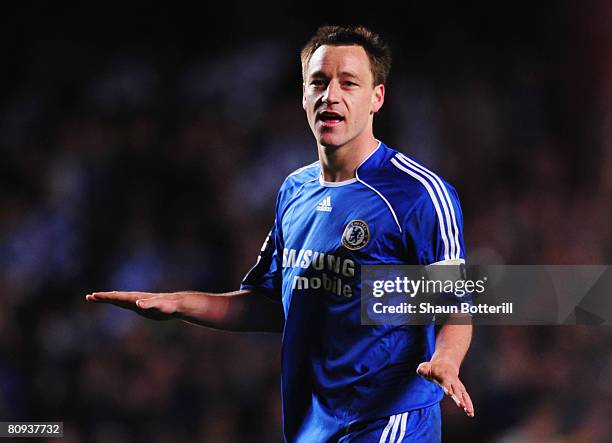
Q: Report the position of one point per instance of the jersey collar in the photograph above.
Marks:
(368, 162)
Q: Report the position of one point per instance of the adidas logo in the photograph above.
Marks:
(325, 205)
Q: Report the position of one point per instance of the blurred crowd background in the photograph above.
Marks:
(143, 151)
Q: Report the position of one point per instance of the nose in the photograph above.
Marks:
(332, 92)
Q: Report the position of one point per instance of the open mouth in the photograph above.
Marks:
(329, 118)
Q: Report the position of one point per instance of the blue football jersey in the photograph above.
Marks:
(336, 371)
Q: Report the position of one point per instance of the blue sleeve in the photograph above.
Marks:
(436, 226)
(437, 232)
(265, 275)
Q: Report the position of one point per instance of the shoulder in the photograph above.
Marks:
(301, 175)
(298, 178)
(307, 172)
(428, 184)
(408, 184)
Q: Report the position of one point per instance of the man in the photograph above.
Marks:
(362, 203)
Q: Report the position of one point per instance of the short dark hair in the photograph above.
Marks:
(379, 53)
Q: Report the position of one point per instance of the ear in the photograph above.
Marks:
(378, 98)
(303, 96)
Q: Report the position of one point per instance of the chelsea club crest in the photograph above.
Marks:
(356, 235)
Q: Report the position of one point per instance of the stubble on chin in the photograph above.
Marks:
(328, 145)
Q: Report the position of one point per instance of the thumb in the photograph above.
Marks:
(424, 369)
(144, 303)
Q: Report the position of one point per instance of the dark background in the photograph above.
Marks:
(141, 148)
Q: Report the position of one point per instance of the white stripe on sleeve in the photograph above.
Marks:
(383, 437)
(402, 428)
(435, 178)
(395, 426)
(432, 195)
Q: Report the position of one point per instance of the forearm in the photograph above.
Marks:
(452, 343)
(231, 311)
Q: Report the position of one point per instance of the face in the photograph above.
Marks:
(338, 95)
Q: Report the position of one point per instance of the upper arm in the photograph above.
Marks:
(265, 276)
(434, 227)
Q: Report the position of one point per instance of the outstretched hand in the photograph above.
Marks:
(446, 374)
(149, 305)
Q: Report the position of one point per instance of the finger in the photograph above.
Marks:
(468, 406)
(453, 393)
(143, 303)
(424, 369)
(117, 296)
(161, 304)
(462, 398)
(156, 301)
(92, 298)
(457, 401)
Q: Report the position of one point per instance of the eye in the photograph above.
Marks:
(317, 82)
(349, 83)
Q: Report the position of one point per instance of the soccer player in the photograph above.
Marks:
(361, 203)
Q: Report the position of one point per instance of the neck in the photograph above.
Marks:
(339, 163)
